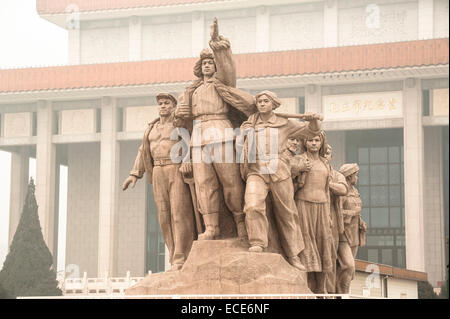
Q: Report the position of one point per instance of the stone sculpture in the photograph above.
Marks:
(172, 194)
(312, 199)
(270, 173)
(298, 220)
(213, 102)
(338, 189)
(354, 234)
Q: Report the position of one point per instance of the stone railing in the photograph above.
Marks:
(96, 286)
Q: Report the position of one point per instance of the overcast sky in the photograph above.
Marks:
(26, 41)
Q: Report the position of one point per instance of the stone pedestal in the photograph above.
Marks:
(226, 267)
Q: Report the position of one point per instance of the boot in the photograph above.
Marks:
(211, 225)
(295, 262)
(240, 225)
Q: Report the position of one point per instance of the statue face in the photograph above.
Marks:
(328, 153)
(313, 144)
(293, 145)
(353, 178)
(208, 67)
(264, 104)
(165, 106)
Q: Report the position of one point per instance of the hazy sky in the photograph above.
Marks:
(26, 41)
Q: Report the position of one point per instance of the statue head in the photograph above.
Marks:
(317, 143)
(350, 171)
(267, 101)
(328, 152)
(205, 65)
(166, 103)
(293, 144)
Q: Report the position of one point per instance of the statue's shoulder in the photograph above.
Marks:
(153, 122)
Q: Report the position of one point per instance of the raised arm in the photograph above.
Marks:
(225, 66)
(310, 128)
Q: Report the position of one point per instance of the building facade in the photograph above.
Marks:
(377, 70)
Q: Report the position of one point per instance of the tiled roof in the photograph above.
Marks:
(251, 65)
(400, 273)
(53, 7)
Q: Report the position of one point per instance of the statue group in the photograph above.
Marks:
(217, 148)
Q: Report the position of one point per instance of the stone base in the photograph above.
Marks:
(217, 267)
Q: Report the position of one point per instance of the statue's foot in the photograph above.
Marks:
(207, 235)
(295, 262)
(256, 249)
(176, 267)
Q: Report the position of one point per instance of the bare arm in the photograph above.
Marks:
(137, 172)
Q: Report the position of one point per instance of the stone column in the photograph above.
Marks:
(313, 98)
(109, 183)
(74, 46)
(198, 33)
(413, 172)
(425, 19)
(135, 39)
(18, 189)
(262, 29)
(330, 23)
(434, 220)
(337, 141)
(46, 172)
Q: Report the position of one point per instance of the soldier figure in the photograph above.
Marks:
(172, 194)
(215, 105)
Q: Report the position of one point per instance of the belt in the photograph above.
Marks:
(163, 162)
(211, 117)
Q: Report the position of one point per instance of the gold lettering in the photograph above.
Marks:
(392, 104)
(356, 106)
(380, 104)
(334, 108)
(345, 107)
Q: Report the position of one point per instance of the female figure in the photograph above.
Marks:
(354, 230)
(313, 205)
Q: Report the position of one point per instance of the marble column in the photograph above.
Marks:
(135, 38)
(20, 162)
(413, 172)
(262, 29)
(337, 141)
(198, 33)
(46, 172)
(434, 221)
(330, 23)
(313, 98)
(425, 19)
(74, 46)
(109, 184)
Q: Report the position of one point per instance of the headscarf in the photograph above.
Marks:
(271, 95)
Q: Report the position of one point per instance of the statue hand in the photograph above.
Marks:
(362, 225)
(306, 166)
(312, 116)
(130, 180)
(183, 111)
(186, 169)
(214, 30)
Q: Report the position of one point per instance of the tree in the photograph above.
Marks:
(3, 293)
(28, 270)
(425, 290)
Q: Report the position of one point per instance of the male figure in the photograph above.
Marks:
(338, 188)
(270, 172)
(215, 105)
(172, 195)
